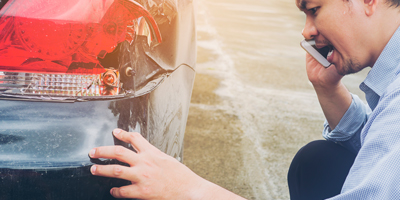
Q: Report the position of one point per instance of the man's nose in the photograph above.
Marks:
(310, 31)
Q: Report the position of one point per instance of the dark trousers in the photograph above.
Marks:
(319, 170)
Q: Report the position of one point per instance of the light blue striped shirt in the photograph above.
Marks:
(373, 131)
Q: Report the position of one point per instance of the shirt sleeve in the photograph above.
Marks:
(347, 132)
(375, 172)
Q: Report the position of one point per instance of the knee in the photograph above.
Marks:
(309, 157)
(304, 166)
(311, 151)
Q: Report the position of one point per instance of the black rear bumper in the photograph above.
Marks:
(56, 184)
(44, 148)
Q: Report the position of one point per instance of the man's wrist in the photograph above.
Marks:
(328, 90)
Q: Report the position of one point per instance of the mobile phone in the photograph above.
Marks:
(319, 54)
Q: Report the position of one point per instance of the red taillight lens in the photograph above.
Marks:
(61, 37)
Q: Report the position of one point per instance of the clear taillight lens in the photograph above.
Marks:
(55, 47)
(60, 84)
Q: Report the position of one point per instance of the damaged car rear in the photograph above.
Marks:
(72, 71)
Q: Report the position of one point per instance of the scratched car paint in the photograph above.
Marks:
(72, 71)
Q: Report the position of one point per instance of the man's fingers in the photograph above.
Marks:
(114, 152)
(114, 171)
(135, 139)
(129, 191)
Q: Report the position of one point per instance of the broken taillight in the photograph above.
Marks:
(54, 47)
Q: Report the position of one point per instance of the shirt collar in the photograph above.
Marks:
(386, 67)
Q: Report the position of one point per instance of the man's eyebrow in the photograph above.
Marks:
(302, 5)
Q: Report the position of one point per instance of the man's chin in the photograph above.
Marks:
(340, 70)
(350, 67)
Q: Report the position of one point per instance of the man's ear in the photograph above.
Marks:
(370, 6)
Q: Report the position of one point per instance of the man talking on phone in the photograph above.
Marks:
(363, 161)
(360, 158)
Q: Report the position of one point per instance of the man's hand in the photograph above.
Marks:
(333, 96)
(154, 175)
(320, 76)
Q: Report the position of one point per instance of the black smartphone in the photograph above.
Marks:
(319, 54)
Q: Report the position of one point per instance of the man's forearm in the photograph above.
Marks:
(211, 191)
(334, 101)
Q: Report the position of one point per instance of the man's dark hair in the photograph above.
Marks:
(394, 3)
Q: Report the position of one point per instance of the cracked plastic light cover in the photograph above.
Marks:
(54, 47)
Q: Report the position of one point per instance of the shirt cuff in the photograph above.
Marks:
(351, 123)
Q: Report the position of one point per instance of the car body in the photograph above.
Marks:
(72, 71)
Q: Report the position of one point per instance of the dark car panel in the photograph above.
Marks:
(176, 21)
